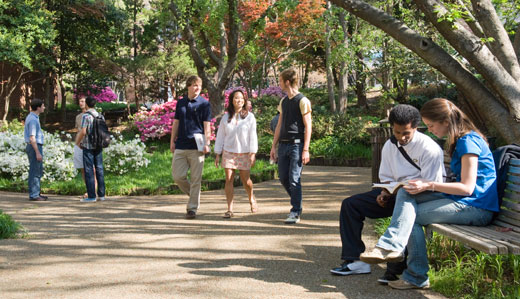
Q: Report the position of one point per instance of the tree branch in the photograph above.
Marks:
(501, 46)
(439, 59)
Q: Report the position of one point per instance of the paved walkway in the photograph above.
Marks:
(142, 247)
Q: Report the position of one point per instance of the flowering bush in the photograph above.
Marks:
(101, 94)
(272, 91)
(122, 156)
(157, 122)
(57, 154)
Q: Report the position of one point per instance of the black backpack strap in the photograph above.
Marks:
(405, 154)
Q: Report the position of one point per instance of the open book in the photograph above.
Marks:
(390, 187)
(200, 139)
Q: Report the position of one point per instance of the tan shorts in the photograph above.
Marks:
(236, 161)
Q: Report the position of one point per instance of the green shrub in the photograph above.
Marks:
(333, 147)
(14, 126)
(8, 227)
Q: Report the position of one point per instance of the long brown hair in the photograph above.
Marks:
(231, 108)
(441, 110)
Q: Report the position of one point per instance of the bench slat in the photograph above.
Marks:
(508, 239)
(510, 214)
(514, 161)
(512, 195)
(485, 246)
(513, 187)
(514, 169)
(511, 205)
(498, 222)
(515, 179)
(510, 221)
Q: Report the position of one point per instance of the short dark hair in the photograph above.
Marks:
(405, 114)
(91, 102)
(36, 103)
(192, 79)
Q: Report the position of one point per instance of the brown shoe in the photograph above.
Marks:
(191, 215)
(380, 255)
(39, 198)
(405, 285)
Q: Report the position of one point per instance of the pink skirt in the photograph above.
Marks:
(236, 161)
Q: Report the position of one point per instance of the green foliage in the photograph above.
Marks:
(14, 126)
(334, 147)
(346, 128)
(26, 33)
(459, 272)
(8, 227)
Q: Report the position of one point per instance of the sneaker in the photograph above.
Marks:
(191, 215)
(388, 277)
(88, 199)
(39, 198)
(101, 198)
(405, 285)
(351, 267)
(292, 218)
(44, 197)
(379, 255)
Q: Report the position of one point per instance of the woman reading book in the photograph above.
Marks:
(470, 200)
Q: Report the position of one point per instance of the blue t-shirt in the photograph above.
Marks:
(485, 195)
(191, 115)
(33, 128)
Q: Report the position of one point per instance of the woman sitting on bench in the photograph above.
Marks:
(470, 200)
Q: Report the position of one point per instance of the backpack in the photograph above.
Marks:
(99, 137)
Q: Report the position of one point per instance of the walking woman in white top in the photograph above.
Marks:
(237, 143)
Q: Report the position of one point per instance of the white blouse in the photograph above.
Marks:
(238, 135)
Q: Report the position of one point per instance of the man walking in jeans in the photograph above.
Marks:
(293, 132)
(192, 116)
(92, 157)
(427, 158)
(33, 137)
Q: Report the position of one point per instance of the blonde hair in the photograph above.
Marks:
(441, 110)
(290, 75)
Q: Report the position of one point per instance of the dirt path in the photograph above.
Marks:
(142, 247)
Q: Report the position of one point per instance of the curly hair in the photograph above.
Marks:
(405, 114)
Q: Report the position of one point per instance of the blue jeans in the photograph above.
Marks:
(94, 159)
(289, 170)
(35, 170)
(411, 213)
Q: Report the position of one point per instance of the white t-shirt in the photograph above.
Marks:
(423, 150)
(238, 135)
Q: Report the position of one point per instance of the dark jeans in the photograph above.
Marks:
(94, 159)
(35, 170)
(354, 209)
(289, 170)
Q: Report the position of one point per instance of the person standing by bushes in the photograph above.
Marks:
(238, 143)
(33, 136)
(192, 119)
(92, 155)
(78, 152)
(293, 132)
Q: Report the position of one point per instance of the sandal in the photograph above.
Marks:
(254, 206)
(228, 214)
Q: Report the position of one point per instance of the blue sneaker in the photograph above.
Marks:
(88, 199)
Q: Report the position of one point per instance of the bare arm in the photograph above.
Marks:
(207, 134)
(32, 141)
(175, 130)
(307, 121)
(276, 137)
(81, 134)
(466, 186)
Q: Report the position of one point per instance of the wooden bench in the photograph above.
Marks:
(502, 236)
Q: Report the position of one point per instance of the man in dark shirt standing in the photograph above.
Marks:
(293, 132)
(192, 117)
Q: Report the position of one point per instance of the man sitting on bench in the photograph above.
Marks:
(409, 154)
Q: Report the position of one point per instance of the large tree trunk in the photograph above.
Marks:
(499, 107)
(343, 69)
(328, 64)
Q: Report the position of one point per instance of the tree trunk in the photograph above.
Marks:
(306, 75)
(343, 68)
(503, 117)
(328, 63)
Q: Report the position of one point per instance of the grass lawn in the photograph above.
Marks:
(155, 179)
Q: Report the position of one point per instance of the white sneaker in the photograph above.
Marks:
(292, 218)
(351, 268)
